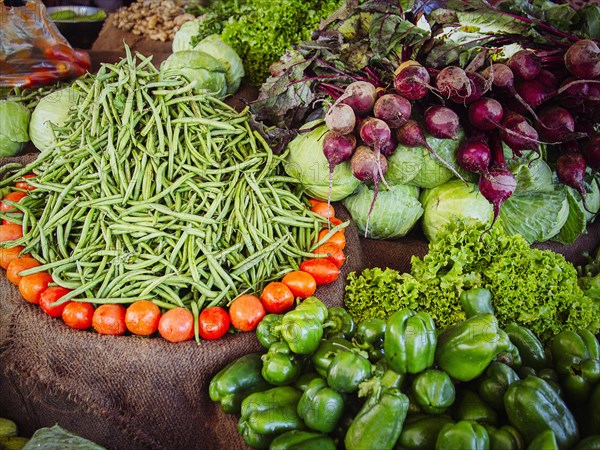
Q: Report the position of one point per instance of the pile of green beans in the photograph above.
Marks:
(156, 192)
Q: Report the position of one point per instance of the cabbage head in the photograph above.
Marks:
(183, 37)
(404, 164)
(14, 128)
(307, 163)
(226, 55)
(395, 213)
(453, 199)
(208, 73)
(51, 111)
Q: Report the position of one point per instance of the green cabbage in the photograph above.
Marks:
(578, 216)
(307, 163)
(183, 37)
(14, 125)
(215, 47)
(208, 73)
(51, 110)
(404, 164)
(442, 204)
(394, 214)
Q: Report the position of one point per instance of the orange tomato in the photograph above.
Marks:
(176, 325)
(32, 286)
(142, 318)
(51, 295)
(333, 251)
(23, 184)
(323, 209)
(7, 255)
(322, 270)
(18, 265)
(213, 323)
(14, 196)
(337, 238)
(246, 311)
(277, 298)
(10, 232)
(335, 222)
(109, 319)
(78, 315)
(302, 284)
(314, 201)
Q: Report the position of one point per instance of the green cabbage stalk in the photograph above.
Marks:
(394, 214)
(14, 126)
(307, 163)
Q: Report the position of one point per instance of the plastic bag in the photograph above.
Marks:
(32, 51)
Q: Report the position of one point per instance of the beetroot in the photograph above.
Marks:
(534, 92)
(337, 148)
(582, 59)
(411, 80)
(376, 134)
(486, 113)
(518, 134)
(360, 96)
(452, 81)
(393, 109)
(556, 123)
(570, 169)
(441, 122)
(340, 118)
(474, 155)
(591, 152)
(525, 64)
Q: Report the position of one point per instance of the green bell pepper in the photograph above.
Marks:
(593, 412)
(303, 333)
(546, 440)
(268, 330)
(589, 443)
(465, 350)
(265, 415)
(304, 380)
(434, 391)
(409, 342)
(532, 406)
(302, 440)
(339, 323)
(476, 301)
(547, 374)
(280, 365)
(369, 337)
(420, 431)
(238, 379)
(463, 435)
(347, 370)
(492, 385)
(379, 422)
(320, 406)
(314, 307)
(506, 437)
(576, 356)
(471, 407)
(327, 350)
(529, 346)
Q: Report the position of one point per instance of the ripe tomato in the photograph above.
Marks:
(7, 255)
(335, 222)
(109, 319)
(14, 196)
(23, 184)
(32, 286)
(314, 201)
(302, 284)
(51, 295)
(176, 325)
(10, 232)
(78, 315)
(246, 312)
(277, 298)
(334, 253)
(18, 265)
(323, 209)
(142, 318)
(322, 270)
(337, 238)
(214, 323)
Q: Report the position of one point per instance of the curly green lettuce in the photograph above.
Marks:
(535, 288)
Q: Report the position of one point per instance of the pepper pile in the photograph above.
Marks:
(327, 382)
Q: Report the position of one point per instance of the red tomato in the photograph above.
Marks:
(78, 315)
(214, 323)
(322, 270)
(109, 319)
(337, 238)
(18, 265)
(313, 202)
(14, 196)
(302, 284)
(7, 255)
(23, 184)
(333, 252)
(142, 318)
(10, 232)
(51, 295)
(32, 286)
(335, 222)
(323, 209)
(176, 325)
(246, 311)
(277, 298)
